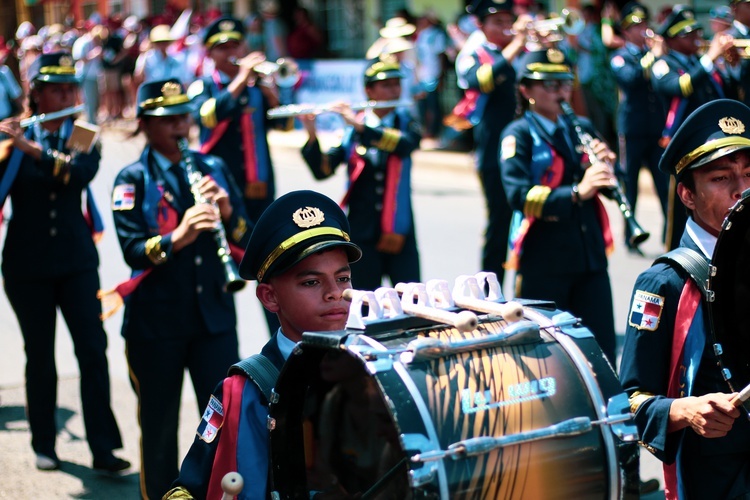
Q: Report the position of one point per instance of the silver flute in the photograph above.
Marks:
(316, 109)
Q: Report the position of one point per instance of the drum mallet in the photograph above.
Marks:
(465, 321)
(232, 484)
(468, 294)
(741, 399)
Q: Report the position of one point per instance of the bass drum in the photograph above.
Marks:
(407, 409)
(729, 294)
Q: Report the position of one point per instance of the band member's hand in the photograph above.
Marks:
(710, 416)
(197, 219)
(521, 26)
(345, 110)
(602, 151)
(216, 194)
(308, 122)
(12, 128)
(720, 44)
(597, 176)
(248, 63)
(391, 243)
(656, 44)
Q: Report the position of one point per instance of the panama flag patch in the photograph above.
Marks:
(212, 419)
(646, 310)
(123, 197)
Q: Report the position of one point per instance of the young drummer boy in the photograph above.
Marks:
(299, 253)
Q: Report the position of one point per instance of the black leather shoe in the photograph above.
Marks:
(111, 464)
(649, 486)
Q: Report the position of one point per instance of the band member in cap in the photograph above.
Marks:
(299, 253)
(640, 115)
(740, 30)
(669, 368)
(684, 80)
(377, 147)
(50, 261)
(177, 314)
(489, 72)
(230, 108)
(561, 235)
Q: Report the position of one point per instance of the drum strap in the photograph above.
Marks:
(691, 262)
(260, 370)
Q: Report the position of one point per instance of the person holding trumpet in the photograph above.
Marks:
(230, 109)
(560, 234)
(179, 314)
(684, 79)
(377, 147)
(50, 261)
(740, 30)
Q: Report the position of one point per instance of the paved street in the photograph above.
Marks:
(450, 218)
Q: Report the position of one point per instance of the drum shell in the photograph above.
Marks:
(499, 391)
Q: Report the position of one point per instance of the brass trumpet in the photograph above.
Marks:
(291, 110)
(569, 22)
(284, 71)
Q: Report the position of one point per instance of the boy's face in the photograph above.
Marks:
(718, 186)
(309, 296)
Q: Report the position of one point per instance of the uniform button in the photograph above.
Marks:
(52, 214)
(242, 148)
(378, 207)
(198, 289)
(198, 260)
(583, 228)
(379, 190)
(378, 176)
(53, 196)
(53, 232)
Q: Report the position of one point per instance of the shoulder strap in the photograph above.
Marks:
(260, 370)
(692, 262)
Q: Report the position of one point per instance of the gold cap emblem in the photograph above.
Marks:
(66, 61)
(170, 89)
(308, 217)
(555, 56)
(688, 14)
(226, 25)
(638, 12)
(730, 125)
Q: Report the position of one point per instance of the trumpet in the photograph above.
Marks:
(315, 109)
(284, 71)
(637, 234)
(232, 281)
(569, 22)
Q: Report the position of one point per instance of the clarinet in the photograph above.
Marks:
(232, 281)
(637, 234)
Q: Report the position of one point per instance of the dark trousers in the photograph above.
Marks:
(430, 114)
(368, 272)
(499, 215)
(35, 304)
(157, 369)
(585, 295)
(639, 151)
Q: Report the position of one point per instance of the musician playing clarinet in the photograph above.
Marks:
(230, 108)
(50, 261)
(560, 235)
(177, 313)
(669, 366)
(376, 147)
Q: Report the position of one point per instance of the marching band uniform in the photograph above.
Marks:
(667, 353)
(683, 82)
(178, 315)
(741, 31)
(560, 242)
(640, 115)
(379, 192)
(49, 261)
(235, 129)
(491, 78)
(233, 434)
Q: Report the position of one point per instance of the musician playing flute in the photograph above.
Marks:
(377, 147)
(561, 235)
(669, 368)
(177, 314)
(230, 109)
(50, 261)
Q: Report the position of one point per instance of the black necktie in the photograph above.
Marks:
(560, 141)
(184, 194)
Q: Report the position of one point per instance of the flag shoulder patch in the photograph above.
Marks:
(211, 421)
(645, 312)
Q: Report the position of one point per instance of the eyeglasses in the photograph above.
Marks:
(556, 85)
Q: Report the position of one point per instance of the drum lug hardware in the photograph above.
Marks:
(620, 419)
(712, 270)
(274, 397)
(726, 373)
(421, 444)
(566, 322)
(710, 295)
(271, 423)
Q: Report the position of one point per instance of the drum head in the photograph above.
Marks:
(730, 283)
